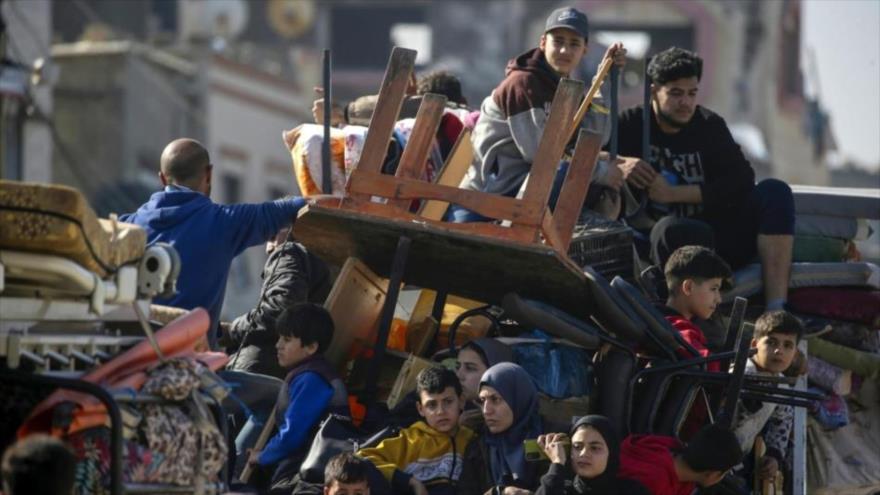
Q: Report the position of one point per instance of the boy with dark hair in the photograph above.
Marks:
(38, 465)
(444, 83)
(667, 467)
(694, 277)
(312, 387)
(700, 185)
(776, 337)
(512, 118)
(346, 474)
(426, 458)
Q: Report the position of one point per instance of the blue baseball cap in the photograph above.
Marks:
(568, 18)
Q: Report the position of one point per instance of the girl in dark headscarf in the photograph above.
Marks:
(595, 458)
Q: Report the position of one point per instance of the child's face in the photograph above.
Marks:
(589, 453)
(775, 351)
(702, 296)
(470, 370)
(291, 352)
(563, 49)
(338, 488)
(441, 410)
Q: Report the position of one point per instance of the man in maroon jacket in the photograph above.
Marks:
(512, 118)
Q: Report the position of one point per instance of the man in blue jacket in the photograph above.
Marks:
(206, 235)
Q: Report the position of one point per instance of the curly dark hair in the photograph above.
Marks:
(436, 379)
(673, 64)
(443, 83)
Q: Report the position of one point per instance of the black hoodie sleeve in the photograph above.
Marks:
(553, 482)
(286, 283)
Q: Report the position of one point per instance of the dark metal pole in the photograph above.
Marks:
(734, 388)
(615, 112)
(646, 117)
(439, 305)
(398, 266)
(326, 185)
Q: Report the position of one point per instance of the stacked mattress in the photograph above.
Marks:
(57, 220)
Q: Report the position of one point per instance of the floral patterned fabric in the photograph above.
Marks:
(165, 445)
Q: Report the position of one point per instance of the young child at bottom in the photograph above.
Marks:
(426, 458)
(38, 465)
(776, 337)
(346, 474)
(667, 467)
(694, 276)
(312, 387)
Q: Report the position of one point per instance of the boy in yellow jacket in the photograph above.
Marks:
(426, 458)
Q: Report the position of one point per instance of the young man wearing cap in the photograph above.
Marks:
(512, 118)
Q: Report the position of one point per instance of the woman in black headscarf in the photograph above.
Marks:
(595, 457)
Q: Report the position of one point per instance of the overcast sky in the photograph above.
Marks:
(845, 36)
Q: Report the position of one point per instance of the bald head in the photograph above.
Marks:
(185, 162)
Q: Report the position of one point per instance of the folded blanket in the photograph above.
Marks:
(863, 363)
(847, 333)
(748, 281)
(831, 412)
(845, 461)
(847, 228)
(837, 201)
(841, 303)
(829, 377)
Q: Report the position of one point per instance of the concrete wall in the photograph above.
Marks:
(29, 25)
(117, 105)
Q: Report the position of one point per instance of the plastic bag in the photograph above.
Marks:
(559, 370)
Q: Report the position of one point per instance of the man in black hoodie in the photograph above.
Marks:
(700, 185)
(291, 275)
(512, 118)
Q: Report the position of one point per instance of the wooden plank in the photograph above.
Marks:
(550, 235)
(574, 189)
(420, 335)
(265, 434)
(591, 93)
(354, 303)
(442, 259)
(552, 143)
(391, 94)
(406, 379)
(485, 229)
(451, 174)
(490, 205)
(418, 146)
